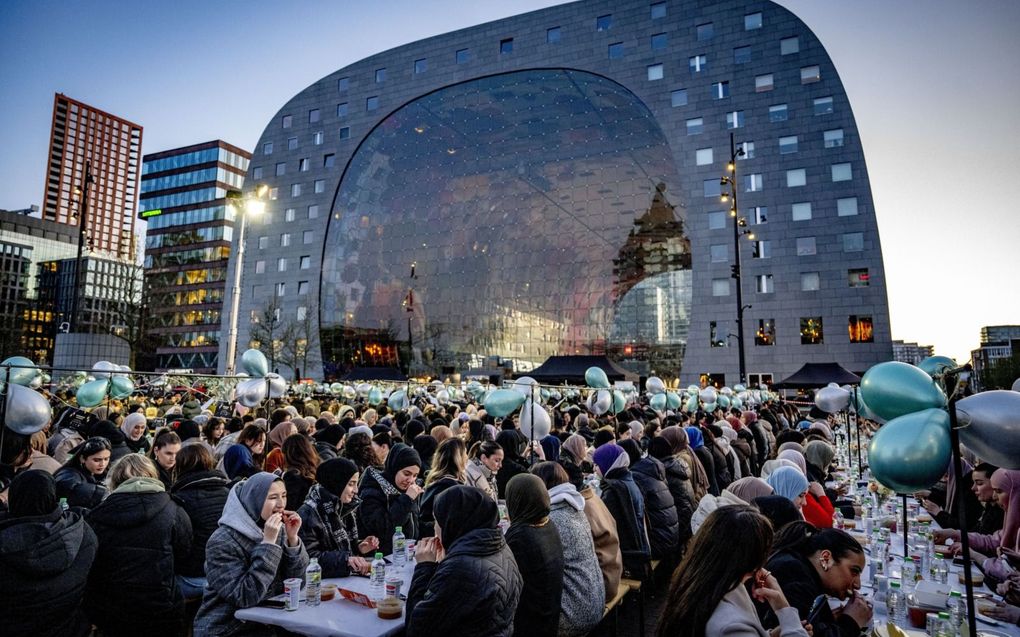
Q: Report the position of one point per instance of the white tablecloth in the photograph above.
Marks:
(335, 618)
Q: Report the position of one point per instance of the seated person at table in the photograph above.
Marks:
(389, 498)
(808, 562)
(328, 526)
(991, 517)
(466, 581)
(254, 549)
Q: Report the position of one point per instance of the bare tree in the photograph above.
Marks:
(268, 333)
(299, 341)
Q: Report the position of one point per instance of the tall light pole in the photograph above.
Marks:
(252, 204)
(82, 214)
(730, 179)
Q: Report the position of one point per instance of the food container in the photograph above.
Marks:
(389, 608)
(292, 593)
(918, 615)
(931, 594)
(328, 592)
(977, 578)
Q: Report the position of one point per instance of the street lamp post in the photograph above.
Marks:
(739, 223)
(252, 204)
(82, 214)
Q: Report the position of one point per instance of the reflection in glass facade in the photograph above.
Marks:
(520, 215)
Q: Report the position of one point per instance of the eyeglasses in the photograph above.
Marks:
(95, 445)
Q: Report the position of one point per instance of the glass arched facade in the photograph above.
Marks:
(518, 216)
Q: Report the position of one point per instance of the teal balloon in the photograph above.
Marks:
(503, 402)
(723, 401)
(896, 389)
(476, 389)
(122, 387)
(736, 403)
(710, 407)
(739, 388)
(596, 378)
(398, 400)
(692, 404)
(619, 401)
(672, 400)
(374, 396)
(936, 365)
(693, 389)
(336, 388)
(19, 375)
(93, 392)
(658, 402)
(911, 452)
(254, 362)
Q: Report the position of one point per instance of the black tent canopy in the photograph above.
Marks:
(813, 375)
(570, 369)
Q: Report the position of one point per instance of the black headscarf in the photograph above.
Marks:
(334, 475)
(108, 430)
(512, 442)
(400, 456)
(633, 450)
(527, 500)
(331, 435)
(461, 509)
(780, 510)
(659, 448)
(32, 493)
(426, 446)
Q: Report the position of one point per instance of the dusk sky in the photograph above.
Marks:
(929, 82)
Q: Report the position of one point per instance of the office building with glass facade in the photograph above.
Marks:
(189, 232)
(550, 184)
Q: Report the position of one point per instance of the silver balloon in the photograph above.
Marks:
(27, 411)
(1016, 385)
(654, 385)
(991, 426)
(25, 374)
(103, 369)
(250, 392)
(708, 395)
(535, 421)
(832, 399)
(277, 385)
(524, 385)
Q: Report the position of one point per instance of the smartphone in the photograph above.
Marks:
(816, 608)
(273, 603)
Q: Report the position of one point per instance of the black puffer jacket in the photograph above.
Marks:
(383, 509)
(132, 589)
(801, 584)
(660, 509)
(82, 489)
(707, 460)
(539, 555)
(297, 488)
(45, 562)
(202, 495)
(474, 591)
(679, 483)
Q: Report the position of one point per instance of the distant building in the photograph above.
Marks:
(998, 342)
(187, 245)
(911, 352)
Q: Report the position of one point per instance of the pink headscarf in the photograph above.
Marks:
(747, 489)
(577, 446)
(1008, 480)
(749, 416)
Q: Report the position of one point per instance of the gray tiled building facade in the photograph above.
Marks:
(549, 184)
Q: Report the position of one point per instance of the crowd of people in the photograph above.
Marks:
(112, 526)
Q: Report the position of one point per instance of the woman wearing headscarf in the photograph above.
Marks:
(663, 524)
(133, 428)
(704, 456)
(747, 489)
(256, 546)
(679, 442)
(761, 440)
(389, 498)
(574, 459)
(426, 447)
(817, 509)
(536, 546)
(513, 443)
(790, 483)
(466, 580)
(143, 535)
(202, 492)
(327, 441)
(279, 433)
(45, 556)
(82, 478)
(329, 527)
(624, 501)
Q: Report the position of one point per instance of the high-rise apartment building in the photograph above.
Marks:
(187, 245)
(911, 352)
(94, 152)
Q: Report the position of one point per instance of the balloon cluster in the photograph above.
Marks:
(253, 391)
(109, 381)
(25, 410)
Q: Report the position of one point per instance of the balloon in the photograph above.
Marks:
(22, 375)
(254, 362)
(26, 411)
(92, 393)
(654, 385)
(672, 400)
(710, 407)
(250, 392)
(596, 378)
(832, 399)
(336, 388)
(658, 402)
(708, 395)
(398, 400)
(991, 428)
(600, 401)
(692, 404)
(524, 385)
(739, 388)
(374, 396)
(736, 403)
(121, 386)
(37, 382)
(723, 401)
(362, 389)
(936, 365)
(619, 401)
(535, 420)
(349, 392)
(911, 452)
(895, 389)
(502, 402)
(103, 369)
(726, 391)
(693, 389)
(833, 385)
(1016, 385)
(159, 381)
(443, 396)
(475, 389)
(277, 385)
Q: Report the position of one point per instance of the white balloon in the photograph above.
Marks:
(833, 385)
(524, 385)
(654, 385)
(600, 401)
(726, 391)
(1016, 385)
(103, 369)
(535, 421)
(708, 395)
(443, 396)
(832, 399)
(250, 392)
(277, 385)
(364, 388)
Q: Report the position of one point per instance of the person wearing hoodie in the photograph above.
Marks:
(761, 440)
(133, 428)
(202, 492)
(535, 543)
(389, 498)
(45, 556)
(663, 523)
(679, 484)
(624, 501)
(584, 595)
(81, 479)
(255, 547)
(241, 460)
(722, 463)
(466, 581)
(143, 536)
(327, 441)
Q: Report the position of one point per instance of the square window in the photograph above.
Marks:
(742, 55)
(462, 56)
(295, 190)
(695, 126)
(748, 148)
(763, 284)
(281, 289)
(796, 177)
(717, 334)
(842, 172)
(343, 84)
(806, 246)
(833, 138)
(754, 183)
(752, 21)
(603, 22)
(553, 35)
(720, 287)
(698, 63)
(801, 211)
(288, 214)
(305, 262)
(616, 50)
(345, 132)
(734, 119)
(763, 83)
(506, 46)
(811, 330)
(342, 109)
(380, 76)
(778, 113)
(711, 187)
(658, 10)
(765, 335)
(810, 282)
(789, 45)
(823, 106)
(281, 169)
(302, 288)
(313, 212)
(307, 237)
(313, 116)
(761, 250)
(281, 264)
(705, 31)
(678, 97)
(809, 74)
(846, 207)
(319, 186)
(658, 41)
(318, 138)
(655, 72)
(788, 145)
(703, 156)
(421, 65)
(267, 148)
(718, 253)
(758, 214)
(302, 312)
(284, 239)
(717, 220)
(858, 277)
(292, 143)
(256, 173)
(260, 267)
(371, 103)
(288, 121)
(853, 242)
(328, 161)
(303, 164)
(720, 90)
(861, 328)
(274, 194)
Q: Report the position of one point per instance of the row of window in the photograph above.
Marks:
(860, 329)
(281, 290)
(799, 211)
(304, 263)
(788, 145)
(303, 165)
(808, 246)
(318, 137)
(809, 281)
(795, 178)
(737, 119)
(186, 217)
(307, 237)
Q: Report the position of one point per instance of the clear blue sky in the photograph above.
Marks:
(933, 84)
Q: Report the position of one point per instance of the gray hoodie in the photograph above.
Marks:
(584, 594)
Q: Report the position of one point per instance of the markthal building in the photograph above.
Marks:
(550, 184)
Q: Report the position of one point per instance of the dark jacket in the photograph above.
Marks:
(801, 585)
(474, 591)
(761, 443)
(325, 450)
(81, 488)
(297, 488)
(723, 475)
(707, 460)
(132, 587)
(511, 467)
(574, 469)
(663, 522)
(744, 454)
(320, 542)
(624, 501)
(991, 520)
(202, 495)
(383, 509)
(679, 483)
(538, 552)
(428, 500)
(747, 437)
(45, 562)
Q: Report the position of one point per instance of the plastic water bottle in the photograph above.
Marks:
(837, 519)
(63, 504)
(377, 581)
(909, 574)
(957, 611)
(896, 603)
(946, 627)
(399, 548)
(940, 569)
(313, 582)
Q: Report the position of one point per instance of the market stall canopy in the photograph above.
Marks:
(570, 369)
(813, 375)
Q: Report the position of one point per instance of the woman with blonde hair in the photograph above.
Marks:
(449, 468)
